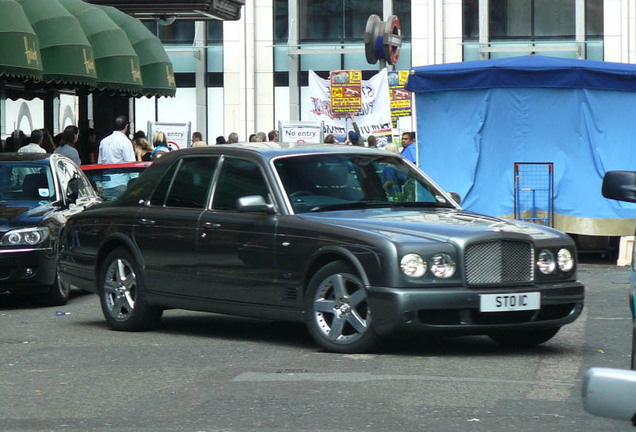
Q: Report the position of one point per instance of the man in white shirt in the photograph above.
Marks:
(116, 147)
(34, 147)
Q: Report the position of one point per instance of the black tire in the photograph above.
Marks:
(338, 316)
(524, 338)
(122, 294)
(57, 295)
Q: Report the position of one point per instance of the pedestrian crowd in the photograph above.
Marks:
(84, 147)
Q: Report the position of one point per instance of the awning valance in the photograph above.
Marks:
(116, 61)
(19, 45)
(156, 68)
(67, 55)
(72, 44)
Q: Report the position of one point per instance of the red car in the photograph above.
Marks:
(110, 180)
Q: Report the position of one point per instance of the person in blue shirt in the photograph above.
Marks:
(409, 147)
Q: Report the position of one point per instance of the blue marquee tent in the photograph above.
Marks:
(477, 119)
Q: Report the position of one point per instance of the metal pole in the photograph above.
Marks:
(201, 69)
(294, 61)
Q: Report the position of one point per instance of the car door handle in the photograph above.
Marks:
(145, 221)
(211, 225)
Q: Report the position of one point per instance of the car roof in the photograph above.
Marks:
(19, 157)
(115, 165)
(270, 150)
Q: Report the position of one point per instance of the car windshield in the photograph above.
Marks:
(342, 181)
(110, 183)
(26, 182)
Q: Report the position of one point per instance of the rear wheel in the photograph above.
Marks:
(122, 294)
(338, 316)
(524, 338)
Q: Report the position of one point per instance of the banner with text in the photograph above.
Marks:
(400, 97)
(346, 89)
(373, 118)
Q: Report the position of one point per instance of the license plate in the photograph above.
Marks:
(509, 302)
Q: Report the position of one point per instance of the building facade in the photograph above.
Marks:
(234, 76)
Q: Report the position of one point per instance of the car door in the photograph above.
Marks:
(236, 249)
(165, 230)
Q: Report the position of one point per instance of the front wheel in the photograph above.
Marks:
(338, 316)
(524, 338)
(122, 294)
(58, 293)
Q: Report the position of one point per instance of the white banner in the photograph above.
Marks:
(177, 134)
(374, 118)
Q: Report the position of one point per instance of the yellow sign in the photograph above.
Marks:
(346, 91)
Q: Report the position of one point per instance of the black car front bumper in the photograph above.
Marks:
(455, 310)
(27, 269)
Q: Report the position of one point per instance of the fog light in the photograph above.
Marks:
(28, 272)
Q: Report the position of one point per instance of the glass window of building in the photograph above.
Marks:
(215, 31)
(179, 32)
(532, 19)
(336, 20)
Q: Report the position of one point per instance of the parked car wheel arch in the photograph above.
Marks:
(118, 241)
(328, 255)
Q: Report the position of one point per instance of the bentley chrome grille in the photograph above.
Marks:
(499, 262)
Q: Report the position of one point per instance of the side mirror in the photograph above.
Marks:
(610, 393)
(254, 203)
(455, 196)
(72, 191)
(620, 185)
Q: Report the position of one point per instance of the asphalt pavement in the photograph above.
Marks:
(204, 372)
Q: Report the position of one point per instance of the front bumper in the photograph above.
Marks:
(455, 310)
(26, 269)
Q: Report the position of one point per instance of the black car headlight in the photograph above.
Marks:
(25, 237)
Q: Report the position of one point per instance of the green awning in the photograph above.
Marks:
(67, 55)
(19, 45)
(156, 68)
(116, 61)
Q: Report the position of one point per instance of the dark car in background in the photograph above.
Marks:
(357, 243)
(111, 180)
(38, 192)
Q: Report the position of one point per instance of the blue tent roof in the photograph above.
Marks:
(524, 71)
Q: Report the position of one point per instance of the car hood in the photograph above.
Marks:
(431, 224)
(18, 214)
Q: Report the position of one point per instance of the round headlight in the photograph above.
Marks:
(442, 266)
(546, 262)
(14, 238)
(564, 258)
(33, 237)
(413, 265)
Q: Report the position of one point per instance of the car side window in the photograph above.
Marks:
(191, 185)
(238, 178)
(161, 192)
